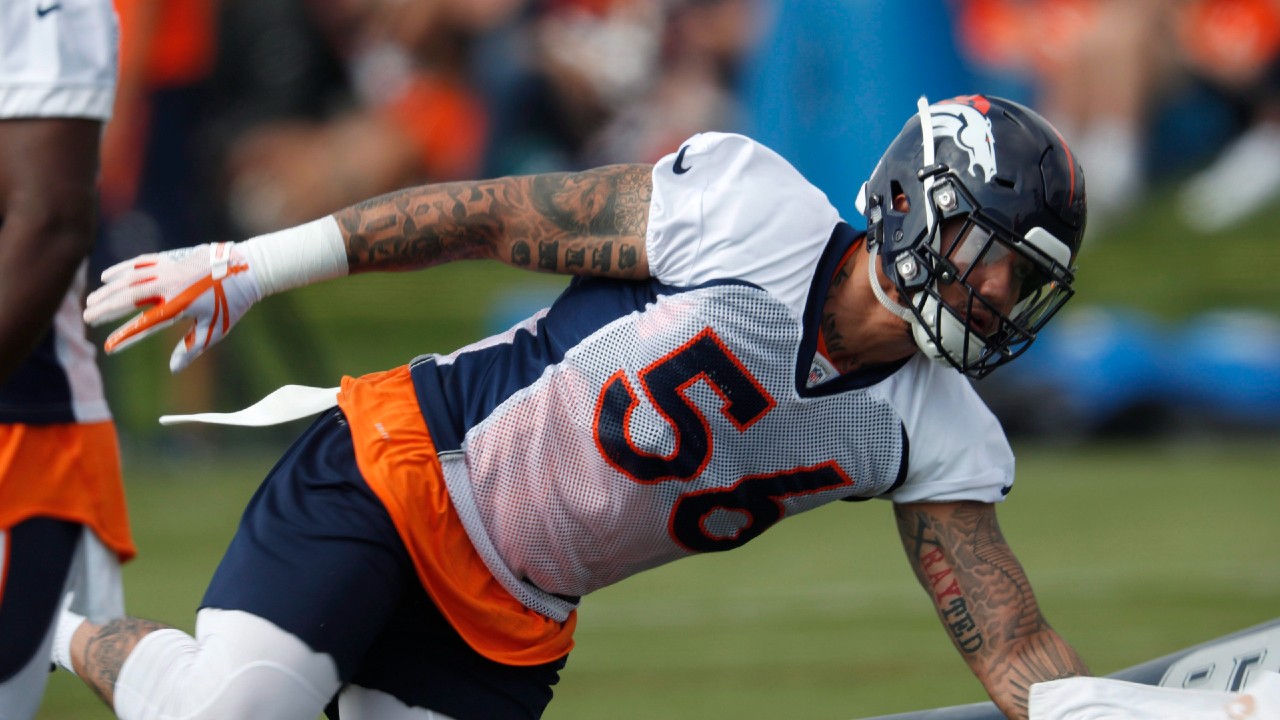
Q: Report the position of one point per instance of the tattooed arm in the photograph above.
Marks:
(585, 223)
(984, 600)
(97, 652)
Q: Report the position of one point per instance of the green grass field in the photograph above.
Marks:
(1136, 550)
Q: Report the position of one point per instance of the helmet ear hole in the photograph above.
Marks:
(900, 202)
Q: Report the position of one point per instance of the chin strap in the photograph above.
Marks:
(926, 126)
(884, 299)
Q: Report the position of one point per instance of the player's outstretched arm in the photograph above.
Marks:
(984, 600)
(586, 223)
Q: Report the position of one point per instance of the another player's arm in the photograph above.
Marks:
(47, 205)
(984, 600)
(582, 223)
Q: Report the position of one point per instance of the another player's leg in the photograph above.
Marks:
(35, 560)
(43, 560)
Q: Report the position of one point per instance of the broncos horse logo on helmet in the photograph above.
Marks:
(1003, 183)
(970, 130)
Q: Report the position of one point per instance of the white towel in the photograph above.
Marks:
(288, 403)
(1087, 698)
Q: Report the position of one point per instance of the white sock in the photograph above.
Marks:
(67, 624)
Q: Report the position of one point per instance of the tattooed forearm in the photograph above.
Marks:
(984, 600)
(106, 650)
(421, 226)
(589, 222)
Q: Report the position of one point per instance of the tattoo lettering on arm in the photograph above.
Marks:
(520, 255)
(418, 227)
(552, 223)
(985, 602)
(549, 256)
(105, 653)
(602, 256)
(938, 576)
(628, 257)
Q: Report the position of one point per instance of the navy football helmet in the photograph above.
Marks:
(970, 183)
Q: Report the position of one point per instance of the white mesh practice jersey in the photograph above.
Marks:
(634, 423)
(58, 58)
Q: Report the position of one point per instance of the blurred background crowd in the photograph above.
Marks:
(238, 117)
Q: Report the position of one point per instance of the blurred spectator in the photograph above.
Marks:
(605, 81)
(151, 187)
(412, 115)
(1235, 44)
(1144, 88)
(701, 44)
(1096, 68)
(558, 84)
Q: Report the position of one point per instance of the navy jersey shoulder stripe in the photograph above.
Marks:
(455, 395)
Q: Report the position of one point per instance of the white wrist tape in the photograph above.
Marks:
(298, 256)
(65, 628)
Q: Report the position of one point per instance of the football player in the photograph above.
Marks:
(729, 354)
(63, 525)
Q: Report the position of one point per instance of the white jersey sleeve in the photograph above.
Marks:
(726, 207)
(957, 448)
(58, 58)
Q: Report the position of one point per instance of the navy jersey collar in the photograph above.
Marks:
(843, 237)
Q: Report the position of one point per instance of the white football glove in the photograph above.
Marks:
(213, 285)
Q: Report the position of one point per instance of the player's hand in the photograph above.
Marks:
(212, 285)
